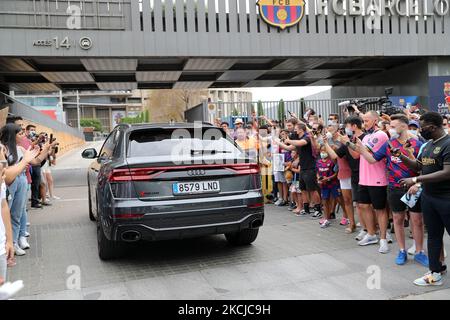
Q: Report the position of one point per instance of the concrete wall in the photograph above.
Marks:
(197, 29)
(407, 80)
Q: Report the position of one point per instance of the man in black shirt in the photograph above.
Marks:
(434, 164)
(353, 130)
(308, 178)
(290, 126)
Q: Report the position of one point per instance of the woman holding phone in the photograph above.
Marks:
(16, 181)
(6, 237)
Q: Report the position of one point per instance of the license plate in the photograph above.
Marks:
(195, 187)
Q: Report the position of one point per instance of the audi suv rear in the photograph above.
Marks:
(172, 181)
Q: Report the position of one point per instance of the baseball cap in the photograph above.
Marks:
(414, 123)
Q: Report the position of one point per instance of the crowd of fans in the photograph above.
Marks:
(386, 173)
(25, 161)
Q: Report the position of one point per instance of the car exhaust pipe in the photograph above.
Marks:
(131, 236)
(255, 224)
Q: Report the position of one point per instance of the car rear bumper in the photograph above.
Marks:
(176, 220)
(131, 232)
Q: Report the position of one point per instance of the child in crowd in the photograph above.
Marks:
(281, 160)
(295, 186)
(329, 185)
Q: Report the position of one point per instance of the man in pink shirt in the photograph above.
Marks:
(373, 184)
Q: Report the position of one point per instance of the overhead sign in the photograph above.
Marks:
(85, 43)
(287, 13)
(282, 13)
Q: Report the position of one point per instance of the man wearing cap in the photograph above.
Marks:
(238, 123)
(413, 129)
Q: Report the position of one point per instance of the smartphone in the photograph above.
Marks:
(51, 138)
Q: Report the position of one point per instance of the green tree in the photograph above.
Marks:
(281, 111)
(235, 112)
(260, 111)
(143, 117)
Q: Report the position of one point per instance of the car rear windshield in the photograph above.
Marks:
(164, 142)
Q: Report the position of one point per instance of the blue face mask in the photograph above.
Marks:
(413, 132)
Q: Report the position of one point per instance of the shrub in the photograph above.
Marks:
(91, 123)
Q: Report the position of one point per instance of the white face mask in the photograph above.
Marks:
(324, 155)
(413, 132)
(349, 132)
(332, 122)
(393, 133)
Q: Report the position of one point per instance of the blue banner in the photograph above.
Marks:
(439, 89)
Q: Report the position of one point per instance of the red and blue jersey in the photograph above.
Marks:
(397, 170)
(325, 169)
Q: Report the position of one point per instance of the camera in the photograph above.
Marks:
(349, 105)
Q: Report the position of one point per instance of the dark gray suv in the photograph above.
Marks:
(172, 181)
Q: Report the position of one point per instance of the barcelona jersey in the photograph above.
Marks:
(397, 170)
(325, 169)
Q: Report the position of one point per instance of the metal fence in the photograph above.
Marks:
(275, 110)
(18, 108)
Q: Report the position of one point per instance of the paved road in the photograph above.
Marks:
(291, 259)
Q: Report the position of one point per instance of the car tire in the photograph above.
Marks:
(107, 249)
(243, 237)
(91, 214)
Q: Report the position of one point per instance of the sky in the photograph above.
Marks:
(287, 94)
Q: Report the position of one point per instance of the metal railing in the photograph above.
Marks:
(274, 109)
(28, 113)
(66, 14)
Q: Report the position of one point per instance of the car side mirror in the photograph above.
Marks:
(89, 154)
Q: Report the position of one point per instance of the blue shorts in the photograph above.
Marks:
(333, 192)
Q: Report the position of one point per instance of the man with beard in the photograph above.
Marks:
(434, 165)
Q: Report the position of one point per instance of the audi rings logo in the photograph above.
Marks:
(85, 43)
(194, 173)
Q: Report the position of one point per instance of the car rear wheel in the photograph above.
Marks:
(243, 237)
(107, 249)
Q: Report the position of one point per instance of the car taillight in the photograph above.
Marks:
(121, 175)
(255, 205)
(247, 168)
(128, 216)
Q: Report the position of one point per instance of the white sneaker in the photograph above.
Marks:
(23, 243)
(412, 250)
(56, 198)
(429, 279)
(28, 224)
(278, 202)
(368, 240)
(27, 234)
(18, 251)
(9, 289)
(361, 235)
(389, 237)
(325, 224)
(384, 247)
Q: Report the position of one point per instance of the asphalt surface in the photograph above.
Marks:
(291, 259)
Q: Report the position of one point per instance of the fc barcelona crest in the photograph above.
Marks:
(282, 13)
